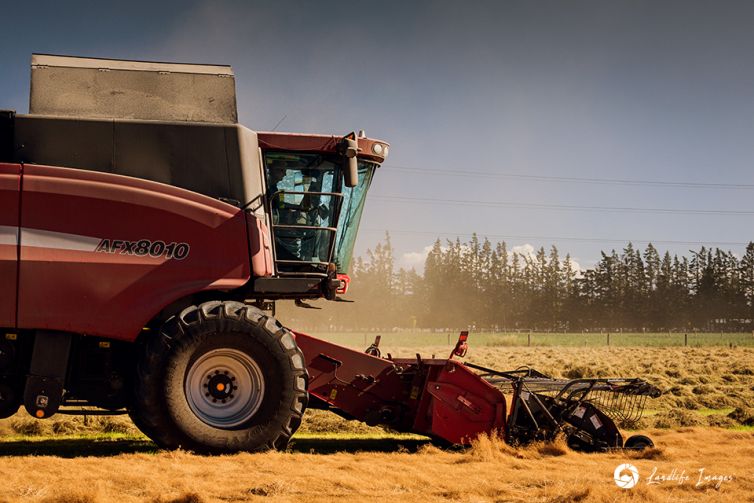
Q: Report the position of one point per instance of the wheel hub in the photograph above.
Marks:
(224, 388)
(220, 386)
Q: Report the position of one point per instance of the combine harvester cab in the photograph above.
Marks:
(456, 402)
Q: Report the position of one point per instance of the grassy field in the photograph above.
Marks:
(386, 469)
(537, 339)
(704, 420)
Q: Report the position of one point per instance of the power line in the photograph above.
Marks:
(572, 179)
(565, 207)
(280, 122)
(561, 238)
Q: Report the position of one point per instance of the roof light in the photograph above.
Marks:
(378, 148)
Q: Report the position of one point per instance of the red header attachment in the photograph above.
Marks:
(461, 346)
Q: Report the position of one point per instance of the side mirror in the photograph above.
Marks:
(350, 163)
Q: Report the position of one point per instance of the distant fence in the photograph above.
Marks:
(523, 339)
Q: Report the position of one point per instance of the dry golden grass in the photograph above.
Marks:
(488, 472)
(703, 386)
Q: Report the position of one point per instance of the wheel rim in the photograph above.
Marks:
(224, 388)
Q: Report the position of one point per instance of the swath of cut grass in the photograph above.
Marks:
(489, 471)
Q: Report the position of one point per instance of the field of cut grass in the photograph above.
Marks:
(704, 421)
(536, 339)
(704, 464)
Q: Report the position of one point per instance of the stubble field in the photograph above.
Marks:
(703, 427)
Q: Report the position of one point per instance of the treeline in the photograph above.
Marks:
(485, 285)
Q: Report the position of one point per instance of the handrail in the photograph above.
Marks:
(339, 198)
(302, 226)
(305, 192)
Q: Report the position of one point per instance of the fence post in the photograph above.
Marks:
(528, 339)
(448, 338)
(608, 338)
(685, 339)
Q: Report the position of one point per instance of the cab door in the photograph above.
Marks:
(10, 185)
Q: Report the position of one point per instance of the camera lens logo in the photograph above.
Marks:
(626, 476)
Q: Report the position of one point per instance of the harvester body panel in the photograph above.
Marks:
(104, 88)
(101, 254)
(10, 186)
(220, 161)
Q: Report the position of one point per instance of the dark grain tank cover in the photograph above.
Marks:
(66, 86)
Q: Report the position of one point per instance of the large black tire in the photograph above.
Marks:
(168, 408)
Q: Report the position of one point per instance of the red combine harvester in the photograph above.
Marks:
(144, 238)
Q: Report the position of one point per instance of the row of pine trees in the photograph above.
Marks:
(487, 286)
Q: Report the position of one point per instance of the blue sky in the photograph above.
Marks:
(638, 90)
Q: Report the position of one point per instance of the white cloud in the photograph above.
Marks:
(577, 268)
(528, 250)
(525, 250)
(415, 260)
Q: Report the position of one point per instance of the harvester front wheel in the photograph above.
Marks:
(221, 377)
